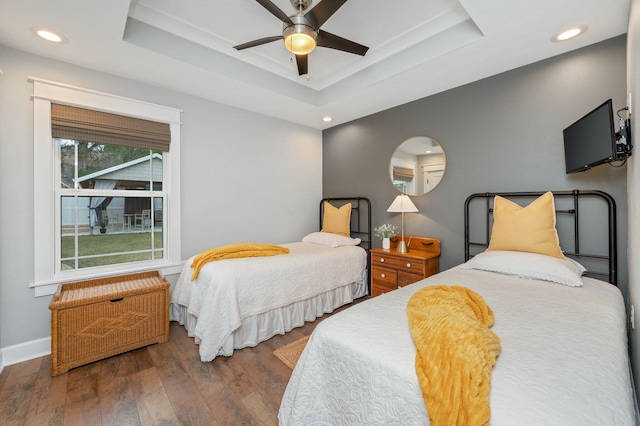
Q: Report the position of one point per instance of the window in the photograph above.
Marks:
(109, 213)
(402, 178)
(110, 203)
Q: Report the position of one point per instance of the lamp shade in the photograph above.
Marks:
(402, 204)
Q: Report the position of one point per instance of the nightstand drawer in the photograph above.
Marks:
(383, 280)
(405, 263)
(406, 278)
(384, 277)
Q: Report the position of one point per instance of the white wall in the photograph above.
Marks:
(633, 181)
(245, 177)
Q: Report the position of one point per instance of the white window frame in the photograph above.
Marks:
(47, 275)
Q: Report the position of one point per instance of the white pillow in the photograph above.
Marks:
(529, 265)
(330, 240)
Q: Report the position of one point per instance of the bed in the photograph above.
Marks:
(236, 303)
(563, 359)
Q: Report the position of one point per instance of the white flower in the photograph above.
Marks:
(386, 231)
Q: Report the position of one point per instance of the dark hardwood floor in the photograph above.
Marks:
(160, 384)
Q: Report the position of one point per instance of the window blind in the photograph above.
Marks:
(402, 174)
(87, 125)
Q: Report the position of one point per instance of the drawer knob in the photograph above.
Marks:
(408, 265)
(382, 275)
(382, 259)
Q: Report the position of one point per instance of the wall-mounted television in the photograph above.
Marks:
(591, 140)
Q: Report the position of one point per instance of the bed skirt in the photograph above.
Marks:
(258, 328)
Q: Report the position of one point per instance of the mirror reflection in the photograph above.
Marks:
(417, 166)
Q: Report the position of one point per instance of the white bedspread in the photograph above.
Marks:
(564, 358)
(228, 291)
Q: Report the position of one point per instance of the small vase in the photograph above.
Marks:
(386, 243)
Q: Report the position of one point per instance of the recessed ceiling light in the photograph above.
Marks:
(327, 119)
(569, 33)
(49, 35)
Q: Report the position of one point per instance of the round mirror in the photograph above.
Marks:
(417, 166)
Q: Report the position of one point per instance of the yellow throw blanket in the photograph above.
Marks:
(456, 352)
(234, 251)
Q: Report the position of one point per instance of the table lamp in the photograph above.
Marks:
(402, 204)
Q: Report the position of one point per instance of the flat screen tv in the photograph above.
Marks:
(591, 140)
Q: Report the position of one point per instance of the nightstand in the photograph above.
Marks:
(391, 269)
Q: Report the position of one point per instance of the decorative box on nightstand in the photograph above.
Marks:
(391, 269)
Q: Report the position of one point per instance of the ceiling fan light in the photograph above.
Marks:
(299, 38)
(300, 43)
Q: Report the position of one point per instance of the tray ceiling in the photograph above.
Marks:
(417, 48)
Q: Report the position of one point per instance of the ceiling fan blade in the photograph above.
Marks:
(323, 11)
(333, 41)
(275, 11)
(258, 42)
(303, 64)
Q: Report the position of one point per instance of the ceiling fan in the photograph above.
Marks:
(301, 32)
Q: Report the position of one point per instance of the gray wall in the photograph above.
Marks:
(503, 133)
(237, 180)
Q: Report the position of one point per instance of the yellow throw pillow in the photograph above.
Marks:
(337, 220)
(531, 228)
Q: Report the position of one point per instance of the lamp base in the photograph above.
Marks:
(402, 247)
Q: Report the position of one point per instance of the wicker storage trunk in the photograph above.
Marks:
(96, 319)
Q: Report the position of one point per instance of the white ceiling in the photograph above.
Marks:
(417, 47)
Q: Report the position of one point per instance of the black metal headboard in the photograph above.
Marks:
(360, 216)
(571, 208)
(360, 223)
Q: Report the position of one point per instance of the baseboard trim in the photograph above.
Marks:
(24, 351)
